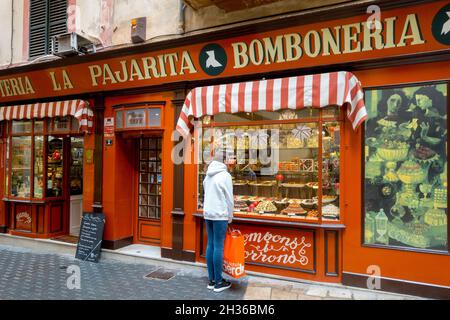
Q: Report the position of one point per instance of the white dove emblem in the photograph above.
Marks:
(211, 61)
(446, 26)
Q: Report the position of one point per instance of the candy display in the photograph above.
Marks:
(240, 205)
(276, 169)
(266, 206)
(294, 209)
(330, 211)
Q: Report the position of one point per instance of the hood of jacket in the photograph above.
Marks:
(215, 167)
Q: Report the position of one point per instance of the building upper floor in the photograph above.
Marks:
(29, 26)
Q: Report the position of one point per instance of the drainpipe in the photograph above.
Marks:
(181, 17)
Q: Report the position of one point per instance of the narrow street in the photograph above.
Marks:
(30, 274)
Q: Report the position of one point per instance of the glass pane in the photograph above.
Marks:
(76, 166)
(154, 117)
(143, 212)
(331, 111)
(7, 167)
(75, 124)
(119, 119)
(38, 166)
(405, 193)
(21, 127)
(149, 178)
(20, 166)
(286, 114)
(275, 169)
(38, 126)
(330, 170)
(61, 124)
(135, 118)
(54, 167)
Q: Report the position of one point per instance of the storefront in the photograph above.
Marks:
(339, 130)
(43, 167)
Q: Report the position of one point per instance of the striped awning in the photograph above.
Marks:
(318, 90)
(77, 108)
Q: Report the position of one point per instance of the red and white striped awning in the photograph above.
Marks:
(318, 90)
(77, 108)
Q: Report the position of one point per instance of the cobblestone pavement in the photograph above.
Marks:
(30, 274)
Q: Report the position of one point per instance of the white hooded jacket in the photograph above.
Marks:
(218, 186)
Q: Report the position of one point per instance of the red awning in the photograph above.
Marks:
(318, 90)
(77, 108)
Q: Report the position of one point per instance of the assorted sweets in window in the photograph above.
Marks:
(54, 167)
(38, 166)
(405, 189)
(21, 166)
(276, 165)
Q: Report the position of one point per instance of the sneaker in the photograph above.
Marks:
(221, 286)
(211, 285)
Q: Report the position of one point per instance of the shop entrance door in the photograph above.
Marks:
(76, 184)
(149, 190)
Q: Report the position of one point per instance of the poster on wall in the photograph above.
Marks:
(405, 174)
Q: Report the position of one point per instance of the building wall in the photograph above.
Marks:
(6, 21)
(108, 22)
(213, 16)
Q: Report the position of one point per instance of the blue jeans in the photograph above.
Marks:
(216, 231)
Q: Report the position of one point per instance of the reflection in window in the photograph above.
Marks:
(54, 167)
(20, 166)
(406, 167)
(276, 170)
(38, 166)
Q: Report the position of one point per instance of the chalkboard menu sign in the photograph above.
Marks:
(91, 234)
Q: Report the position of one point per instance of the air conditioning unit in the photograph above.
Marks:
(69, 44)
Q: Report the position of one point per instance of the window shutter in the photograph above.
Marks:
(57, 19)
(48, 18)
(38, 28)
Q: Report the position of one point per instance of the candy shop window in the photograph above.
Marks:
(278, 162)
(34, 156)
(405, 174)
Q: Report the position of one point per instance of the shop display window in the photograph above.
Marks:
(34, 157)
(76, 166)
(55, 166)
(38, 166)
(405, 185)
(6, 189)
(21, 166)
(278, 163)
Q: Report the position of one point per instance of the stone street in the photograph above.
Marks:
(33, 274)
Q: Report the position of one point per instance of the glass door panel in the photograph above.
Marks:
(150, 178)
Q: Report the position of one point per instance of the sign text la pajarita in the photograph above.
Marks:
(351, 38)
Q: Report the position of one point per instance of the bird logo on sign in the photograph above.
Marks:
(440, 26)
(213, 59)
(446, 25)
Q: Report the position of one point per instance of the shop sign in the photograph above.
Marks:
(408, 30)
(108, 127)
(91, 237)
(23, 217)
(286, 248)
(135, 118)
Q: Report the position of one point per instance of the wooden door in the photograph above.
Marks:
(149, 178)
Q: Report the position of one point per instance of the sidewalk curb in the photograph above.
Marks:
(69, 249)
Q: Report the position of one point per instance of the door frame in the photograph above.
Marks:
(137, 222)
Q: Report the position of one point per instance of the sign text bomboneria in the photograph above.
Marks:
(403, 31)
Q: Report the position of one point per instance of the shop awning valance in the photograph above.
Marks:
(318, 90)
(77, 108)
